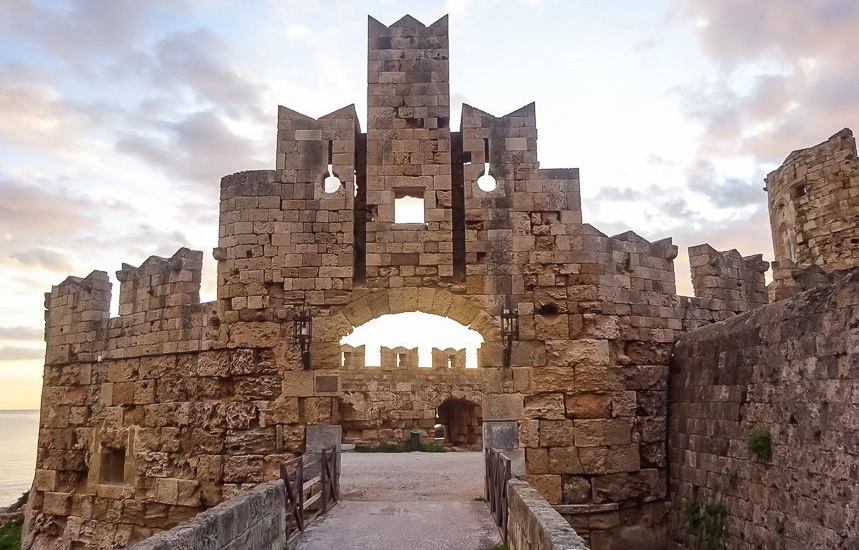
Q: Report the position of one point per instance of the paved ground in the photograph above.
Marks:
(414, 501)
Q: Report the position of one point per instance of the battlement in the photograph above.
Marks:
(736, 280)
(75, 311)
(159, 312)
(161, 283)
(399, 358)
(352, 357)
(448, 358)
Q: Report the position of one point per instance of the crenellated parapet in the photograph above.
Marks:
(733, 282)
(76, 314)
(161, 283)
(352, 357)
(159, 312)
(509, 203)
(399, 358)
(448, 358)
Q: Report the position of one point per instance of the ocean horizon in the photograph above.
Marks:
(19, 433)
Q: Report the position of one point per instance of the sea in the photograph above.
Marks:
(19, 431)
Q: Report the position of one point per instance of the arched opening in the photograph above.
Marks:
(390, 341)
(461, 421)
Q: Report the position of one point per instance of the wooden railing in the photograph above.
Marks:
(497, 476)
(312, 486)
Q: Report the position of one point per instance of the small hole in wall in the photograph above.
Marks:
(249, 254)
(332, 183)
(486, 182)
(549, 311)
(112, 467)
(409, 206)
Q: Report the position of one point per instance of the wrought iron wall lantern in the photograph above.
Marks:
(303, 329)
(509, 329)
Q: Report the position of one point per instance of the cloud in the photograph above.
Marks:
(33, 113)
(296, 31)
(18, 353)
(30, 211)
(20, 333)
(724, 193)
(44, 258)
(200, 61)
(786, 74)
(76, 30)
(200, 148)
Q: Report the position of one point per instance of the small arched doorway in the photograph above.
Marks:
(462, 421)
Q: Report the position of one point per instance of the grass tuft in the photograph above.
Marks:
(10, 535)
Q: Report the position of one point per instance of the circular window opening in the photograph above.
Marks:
(332, 183)
(486, 182)
(548, 311)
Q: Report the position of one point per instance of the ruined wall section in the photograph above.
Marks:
(76, 314)
(408, 153)
(732, 282)
(786, 373)
(813, 204)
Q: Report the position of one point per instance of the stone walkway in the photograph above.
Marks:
(414, 501)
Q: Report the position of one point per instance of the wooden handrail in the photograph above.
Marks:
(308, 497)
(498, 473)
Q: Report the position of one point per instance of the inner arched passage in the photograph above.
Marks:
(461, 421)
(398, 369)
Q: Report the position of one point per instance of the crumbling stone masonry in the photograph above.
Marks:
(814, 205)
(786, 374)
(174, 405)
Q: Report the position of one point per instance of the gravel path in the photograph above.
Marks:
(414, 501)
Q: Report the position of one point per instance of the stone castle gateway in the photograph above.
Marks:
(175, 405)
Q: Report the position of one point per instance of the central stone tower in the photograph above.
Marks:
(408, 150)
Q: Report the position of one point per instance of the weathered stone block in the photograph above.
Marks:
(545, 406)
(498, 407)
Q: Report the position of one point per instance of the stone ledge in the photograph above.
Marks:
(257, 514)
(532, 523)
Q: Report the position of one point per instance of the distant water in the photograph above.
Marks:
(19, 431)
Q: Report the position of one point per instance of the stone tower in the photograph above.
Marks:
(813, 205)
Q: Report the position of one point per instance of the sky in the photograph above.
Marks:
(118, 119)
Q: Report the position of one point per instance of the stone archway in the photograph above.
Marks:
(401, 300)
(462, 420)
(380, 404)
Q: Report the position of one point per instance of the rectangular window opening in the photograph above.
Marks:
(112, 468)
(401, 359)
(409, 206)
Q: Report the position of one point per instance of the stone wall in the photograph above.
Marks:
(254, 519)
(129, 447)
(727, 276)
(787, 372)
(532, 523)
(813, 206)
(381, 405)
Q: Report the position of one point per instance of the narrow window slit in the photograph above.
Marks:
(486, 182)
